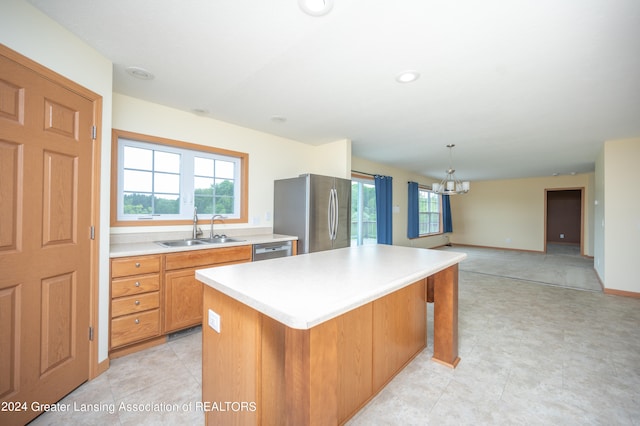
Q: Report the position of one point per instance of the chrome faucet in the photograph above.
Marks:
(211, 235)
(196, 231)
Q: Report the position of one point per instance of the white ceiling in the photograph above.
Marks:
(523, 88)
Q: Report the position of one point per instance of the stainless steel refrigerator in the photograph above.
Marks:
(316, 209)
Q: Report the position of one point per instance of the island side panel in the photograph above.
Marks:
(355, 360)
(272, 410)
(230, 362)
(399, 331)
(311, 374)
(322, 375)
(445, 317)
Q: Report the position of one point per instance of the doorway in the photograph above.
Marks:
(564, 220)
(48, 245)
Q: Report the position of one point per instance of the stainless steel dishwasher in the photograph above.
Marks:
(271, 250)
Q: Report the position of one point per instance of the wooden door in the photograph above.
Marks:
(45, 252)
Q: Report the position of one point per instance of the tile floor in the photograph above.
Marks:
(532, 354)
(157, 386)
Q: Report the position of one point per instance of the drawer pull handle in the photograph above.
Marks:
(137, 264)
(137, 302)
(137, 321)
(137, 283)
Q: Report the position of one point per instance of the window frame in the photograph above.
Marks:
(172, 145)
(440, 225)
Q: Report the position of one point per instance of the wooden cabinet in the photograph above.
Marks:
(135, 299)
(183, 292)
(183, 300)
(154, 295)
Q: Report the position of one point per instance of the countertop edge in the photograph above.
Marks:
(150, 247)
(299, 322)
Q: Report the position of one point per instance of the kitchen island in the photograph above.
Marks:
(310, 339)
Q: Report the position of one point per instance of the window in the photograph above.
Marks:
(429, 212)
(163, 180)
(363, 211)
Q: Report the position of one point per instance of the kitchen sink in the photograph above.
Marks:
(181, 243)
(220, 240)
(198, 242)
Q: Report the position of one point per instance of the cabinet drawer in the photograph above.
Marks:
(212, 257)
(135, 285)
(136, 265)
(138, 303)
(135, 327)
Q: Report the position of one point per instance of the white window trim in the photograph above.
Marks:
(439, 231)
(186, 181)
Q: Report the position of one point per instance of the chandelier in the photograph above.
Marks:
(451, 184)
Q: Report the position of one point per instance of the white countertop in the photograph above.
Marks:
(150, 247)
(306, 290)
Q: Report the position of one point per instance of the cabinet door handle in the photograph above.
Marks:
(137, 264)
(137, 321)
(137, 283)
(137, 302)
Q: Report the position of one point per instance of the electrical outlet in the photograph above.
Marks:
(214, 320)
(561, 235)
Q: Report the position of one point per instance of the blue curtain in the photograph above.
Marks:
(447, 225)
(413, 225)
(384, 209)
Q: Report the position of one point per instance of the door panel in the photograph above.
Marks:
(10, 172)
(59, 198)
(12, 105)
(9, 370)
(57, 308)
(45, 252)
(60, 119)
(183, 300)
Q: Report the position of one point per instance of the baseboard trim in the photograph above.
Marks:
(624, 293)
(117, 353)
(452, 244)
(103, 366)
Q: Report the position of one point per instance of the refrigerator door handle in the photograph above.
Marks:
(336, 211)
(333, 200)
(330, 214)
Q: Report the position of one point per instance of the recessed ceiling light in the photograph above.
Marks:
(278, 119)
(140, 73)
(407, 76)
(316, 7)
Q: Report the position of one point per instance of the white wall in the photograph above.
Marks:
(510, 213)
(502, 213)
(400, 201)
(332, 159)
(598, 218)
(270, 157)
(622, 215)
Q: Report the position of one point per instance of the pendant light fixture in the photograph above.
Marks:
(451, 184)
